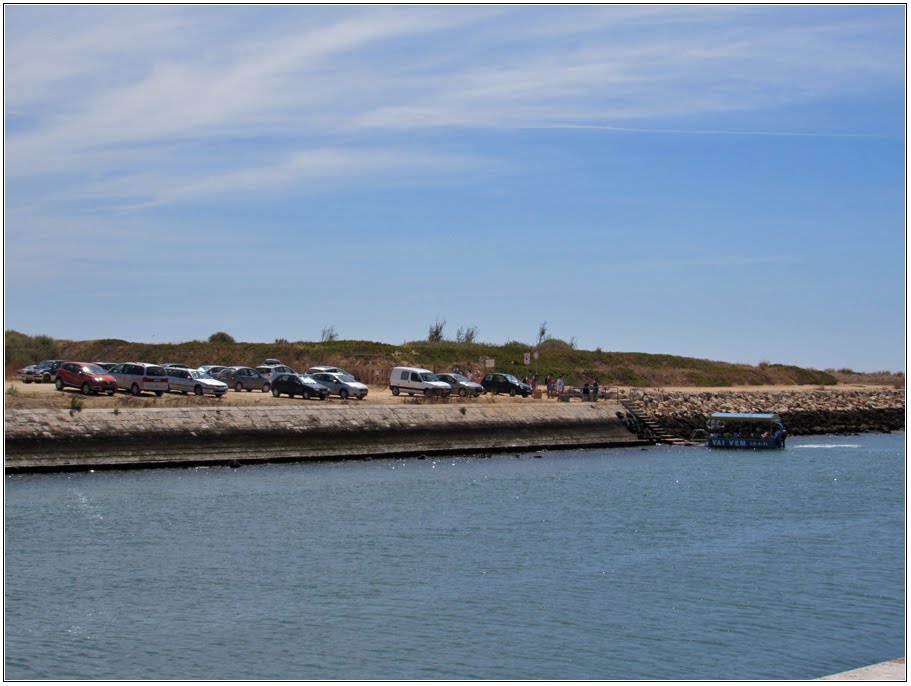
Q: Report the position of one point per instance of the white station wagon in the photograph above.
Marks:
(137, 377)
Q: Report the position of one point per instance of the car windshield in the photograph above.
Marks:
(510, 377)
(347, 378)
(427, 376)
(93, 369)
(306, 378)
(199, 375)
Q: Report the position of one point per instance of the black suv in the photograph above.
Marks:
(298, 384)
(505, 383)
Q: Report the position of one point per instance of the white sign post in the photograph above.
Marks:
(527, 358)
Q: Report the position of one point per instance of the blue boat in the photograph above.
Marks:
(745, 430)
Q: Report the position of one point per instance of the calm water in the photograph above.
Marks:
(665, 563)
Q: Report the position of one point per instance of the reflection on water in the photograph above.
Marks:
(666, 563)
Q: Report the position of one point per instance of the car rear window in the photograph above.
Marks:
(155, 371)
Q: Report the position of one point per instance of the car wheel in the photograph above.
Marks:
(306, 394)
(197, 390)
(512, 392)
(343, 394)
(58, 384)
(428, 392)
(86, 390)
(159, 393)
(395, 390)
(134, 389)
(525, 395)
(266, 388)
(46, 378)
(463, 392)
(26, 380)
(111, 393)
(238, 387)
(276, 393)
(323, 396)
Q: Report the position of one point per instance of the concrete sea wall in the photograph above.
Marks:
(58, 440)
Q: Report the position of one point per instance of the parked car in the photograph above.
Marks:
(244, 379)
(330, 370)
(89, 378)
(270, 371)
(303, 385)
(342, 385)
(211, 369)
(505, 383)
(137, 377)
(461, 385)
(26, 374)
(105, 365)
(173, 365)
(46, 370)
(413, 380)
(194, 381)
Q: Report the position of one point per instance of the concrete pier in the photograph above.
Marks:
(894, 670)
(58, 440)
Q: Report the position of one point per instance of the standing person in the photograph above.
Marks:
(549, 384)
(595, 391)
(561, 383)
(534, 383)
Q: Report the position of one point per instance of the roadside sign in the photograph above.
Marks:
(535, 354)
(490, 363)
(527, 358)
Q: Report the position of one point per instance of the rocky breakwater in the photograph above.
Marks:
(829, 411)
(56, 440)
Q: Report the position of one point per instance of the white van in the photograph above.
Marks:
(413, 380)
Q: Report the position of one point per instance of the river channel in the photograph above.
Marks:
(658, 563)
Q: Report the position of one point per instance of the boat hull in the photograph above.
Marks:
(746, 443)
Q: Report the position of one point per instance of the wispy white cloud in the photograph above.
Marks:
(144, 106)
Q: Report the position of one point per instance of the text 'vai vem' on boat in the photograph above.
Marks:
(745, 430)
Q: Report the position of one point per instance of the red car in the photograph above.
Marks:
(89, 378)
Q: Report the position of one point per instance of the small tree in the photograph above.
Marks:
(435, 333)
(542, 333)
(221, 337)
(468, 335)
(329, 334)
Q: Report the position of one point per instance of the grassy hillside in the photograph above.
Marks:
(373, 361)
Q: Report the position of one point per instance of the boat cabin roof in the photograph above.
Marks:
(747, 416)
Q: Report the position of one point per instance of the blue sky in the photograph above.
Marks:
(722, 182)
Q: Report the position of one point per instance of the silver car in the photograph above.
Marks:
(462, 385)
(46, 370)
(194, 381)
(26, 374)
(343, 385)
(244, 379)
(270, 371)
(137, 377)
(331, 370)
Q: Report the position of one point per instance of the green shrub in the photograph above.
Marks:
(221, 337)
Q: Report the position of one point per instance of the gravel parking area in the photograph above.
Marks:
(21, 395)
